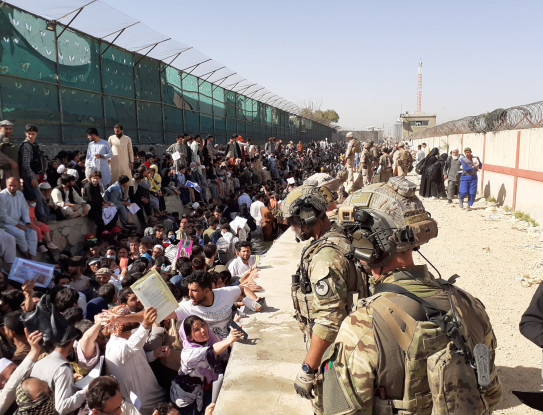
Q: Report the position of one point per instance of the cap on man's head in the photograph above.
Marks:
(90, 237)
(195, 205)
(104, 271)
(6, 123)
(4, 363)
(93, 261)
(157, 246)
(350, 135)
(467, 149)
(401, 145)
(455, 149)
(44, 186)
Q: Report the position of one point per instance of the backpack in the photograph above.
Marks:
(387, 165)
(10, 150)
(420, 167)
(405, 160)
(357, 147)
(442, 353)
(38, 164)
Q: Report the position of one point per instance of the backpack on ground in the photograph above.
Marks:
(38, 163)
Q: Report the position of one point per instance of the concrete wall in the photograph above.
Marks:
(512, 165)
(260, 374)
(69, 234)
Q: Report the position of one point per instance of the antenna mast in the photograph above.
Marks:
(419, 88)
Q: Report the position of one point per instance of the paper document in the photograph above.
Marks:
(216, 388)
(135, 400)
(238, 223)
(133, 208)
(291, 180)
(176, 156)
(152, 291)
(24, 269)
(93, 374)
(108, 214)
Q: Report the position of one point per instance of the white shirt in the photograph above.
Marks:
(128, 362)
(237, 267)
(420, 155)
(256, 212)
(217, 315)
(244, 198)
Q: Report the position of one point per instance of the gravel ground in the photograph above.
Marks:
(492, 252)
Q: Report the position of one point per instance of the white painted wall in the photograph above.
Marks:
(501, 150)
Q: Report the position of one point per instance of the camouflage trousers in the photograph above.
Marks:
(367, 174)
(350, 167)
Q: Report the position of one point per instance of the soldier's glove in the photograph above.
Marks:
(304, 384)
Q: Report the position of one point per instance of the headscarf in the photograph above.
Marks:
(116, 328)
(191, 344)
(45, 405)
(198, 365)
(429, 159)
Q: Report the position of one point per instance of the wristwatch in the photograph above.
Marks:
(307, 369)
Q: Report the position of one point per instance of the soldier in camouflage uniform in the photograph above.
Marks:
(392, 356)
(352, 148)
(327, 284)
(366, 160)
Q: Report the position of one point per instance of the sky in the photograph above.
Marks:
(360, 57)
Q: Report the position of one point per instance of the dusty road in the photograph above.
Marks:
(490, 256)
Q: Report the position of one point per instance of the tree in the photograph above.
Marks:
(313, 111)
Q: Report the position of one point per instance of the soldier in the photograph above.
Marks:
(327, 282)
(367, 164)
(405, 160)
(412, 347)
(352, 148)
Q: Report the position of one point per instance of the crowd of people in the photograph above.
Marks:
(230, 195)
(379, 163)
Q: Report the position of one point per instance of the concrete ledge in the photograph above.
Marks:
(261, 371)
(70, 234)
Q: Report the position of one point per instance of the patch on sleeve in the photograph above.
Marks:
(322, 288)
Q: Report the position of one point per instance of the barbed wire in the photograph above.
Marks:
(514, 118)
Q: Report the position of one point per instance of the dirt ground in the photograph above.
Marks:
(491, 252)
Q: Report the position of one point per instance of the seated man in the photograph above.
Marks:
(15, 219)
(70, 202)
(115, 195)
(244, 261)
(7, 249)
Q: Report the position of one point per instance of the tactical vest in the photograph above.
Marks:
(439, 378)
(302, 291)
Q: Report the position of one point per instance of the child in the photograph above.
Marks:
(145, 249)
(44, 237)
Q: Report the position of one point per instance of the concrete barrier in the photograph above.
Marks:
(70, 234)
(261, 371)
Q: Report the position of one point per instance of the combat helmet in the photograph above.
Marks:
(385, 218)
(305, 205)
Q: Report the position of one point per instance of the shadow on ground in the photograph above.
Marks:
(518, 378)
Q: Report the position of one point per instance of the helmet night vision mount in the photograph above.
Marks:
(386, 218)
